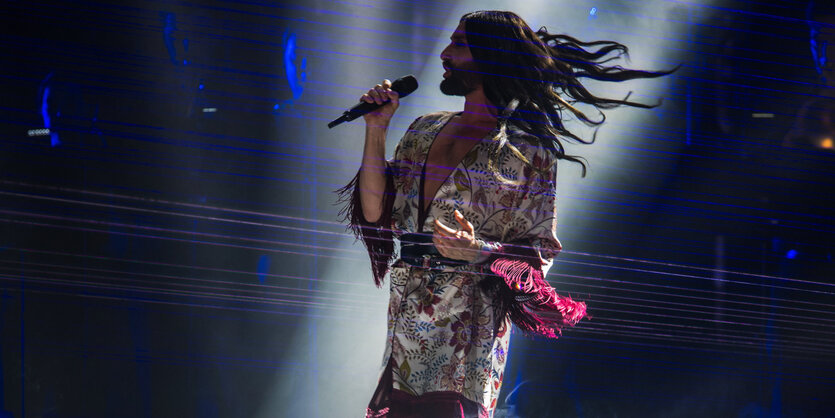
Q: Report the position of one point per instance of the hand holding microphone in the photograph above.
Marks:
(379, 104)
(387, 99)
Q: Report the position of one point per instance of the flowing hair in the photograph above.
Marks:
(534, 70)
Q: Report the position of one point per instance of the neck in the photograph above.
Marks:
(478, 109)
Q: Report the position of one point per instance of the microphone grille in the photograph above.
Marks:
(405, 85)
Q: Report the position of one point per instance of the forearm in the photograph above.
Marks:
(372, 176)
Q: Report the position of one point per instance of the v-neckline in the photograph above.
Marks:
(423, 209)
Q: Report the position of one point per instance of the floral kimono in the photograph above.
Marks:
(448, 327)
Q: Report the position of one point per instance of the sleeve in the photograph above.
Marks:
(519, 267)
(376, 236)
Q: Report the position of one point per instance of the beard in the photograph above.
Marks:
(460, 81)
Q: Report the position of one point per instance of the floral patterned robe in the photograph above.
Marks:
(445, 333)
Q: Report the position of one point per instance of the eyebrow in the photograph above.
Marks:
(458, 36)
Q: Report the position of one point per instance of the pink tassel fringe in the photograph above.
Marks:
(545, 312)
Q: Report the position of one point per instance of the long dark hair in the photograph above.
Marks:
(538, 69)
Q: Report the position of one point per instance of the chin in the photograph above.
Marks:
(454, 87)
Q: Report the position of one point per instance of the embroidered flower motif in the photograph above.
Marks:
(427, 303)
(506, 201)
(461, 333)
(484, 330)
(435, 334)
(452, 376)
(541, 166)
(443, 309)
(479, 201)
(443, 335)
(407, 174)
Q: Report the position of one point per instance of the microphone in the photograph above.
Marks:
(403, 86)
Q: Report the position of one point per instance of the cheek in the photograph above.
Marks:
(467, 65)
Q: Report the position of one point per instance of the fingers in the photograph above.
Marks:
(440, 240)
(444, 230)
(452, 243)
(441, 237)
(381, 93)
(377, 95)
(465, 224)
(393, 96)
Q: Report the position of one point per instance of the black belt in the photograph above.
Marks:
(418, 250)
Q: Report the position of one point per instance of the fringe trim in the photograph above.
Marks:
(377, 237)
(529, 301)
(369, 413)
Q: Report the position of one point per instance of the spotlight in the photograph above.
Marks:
(38, 132)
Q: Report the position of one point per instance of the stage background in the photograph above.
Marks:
(171, 246)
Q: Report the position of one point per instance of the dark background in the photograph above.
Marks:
(159, 258)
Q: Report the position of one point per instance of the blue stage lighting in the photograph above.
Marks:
(294, 79)
(263, 268)
(47, 120)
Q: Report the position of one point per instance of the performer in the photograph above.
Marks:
(471, 197)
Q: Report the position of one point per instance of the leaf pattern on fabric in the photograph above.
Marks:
(405, 370)
(462, 182)
(444, 335)
(479, 203)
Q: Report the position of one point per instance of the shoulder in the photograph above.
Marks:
(428, 119)
(420, 133)
(530, 146)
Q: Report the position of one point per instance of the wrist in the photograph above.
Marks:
(377, 125)
(484, 250)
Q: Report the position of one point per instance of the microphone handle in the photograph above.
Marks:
(355, 112)
(337, 121)
(403, 86)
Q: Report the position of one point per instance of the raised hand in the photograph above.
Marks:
(459, 244)
(380, 94)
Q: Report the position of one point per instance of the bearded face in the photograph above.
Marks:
(462, 79)
(461, 76)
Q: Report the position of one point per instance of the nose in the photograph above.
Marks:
(444, 54)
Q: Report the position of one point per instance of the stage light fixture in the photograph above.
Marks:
(38, 132)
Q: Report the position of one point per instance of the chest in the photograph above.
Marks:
(446, 152)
